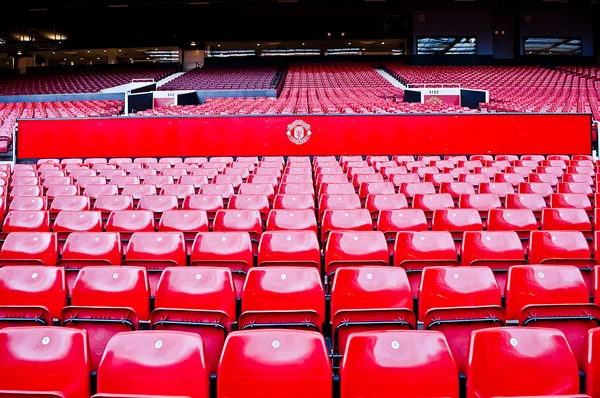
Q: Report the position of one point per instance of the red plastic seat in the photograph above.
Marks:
(456, 221)
(354, 248)
(497, 250)
(106, 301)
(137, 191)
(294, 202)
(297, 360)
(591, 370)
(285, 248)
(578, 178)
(70, 203)
(338, 202)
(26, 190)
(251, 202)
(575, 188)
(458, 300)
(109, 203)
(570, 201)
(198, 300)
(567, 220)
(195, 181)
(52, 361)
(156, 251)
(292, 220)
(190, 222)
(391, 222)
(438, 179)
(292, 297)
(84, 181)
(482, 202)
(412, 189)
(432, 202)
(540, 188)
(336, 188)
(373, 361)
(526, 201)
(416, 250)
(158, 204)
(76, 221)
(375, 188)
(520, 361)
(474, 179)
(29, 248)
(126, 222)
(456, 189)
(28, 203)
(55, 180)
(121, 182)
(345, 220)
(305, 188)
(209, 203)
(31, 295)
(515, 179)
(550, 179)
(83, 249)
(240, 220)
(157, 181)
(501, 189)
(562, 247)
(55, 191)
(181, 191)
(26, 221)
(267, 179)
(223, 190)
(94, 191)
(232, 250)
(146, 363)
(369, 299)
(553, 297)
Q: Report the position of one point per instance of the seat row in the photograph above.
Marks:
(275, 363)
(453, 300)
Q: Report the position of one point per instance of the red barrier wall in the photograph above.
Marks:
(338, 135)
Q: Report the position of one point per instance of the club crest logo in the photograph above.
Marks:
(299, 132)
(434, 100)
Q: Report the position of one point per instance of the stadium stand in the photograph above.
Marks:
(241, 78)
(82, 80)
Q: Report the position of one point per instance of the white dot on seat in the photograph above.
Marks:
(35, 239)
(34, 275)
(31, 216)
(369, 276)
(275, 344)
(488, 238)
(158, 344)
(198, 276)
(289, 238)
(223, 239)
(455, 275)
(422, 238)
(554, 238)
(514, 342)
(46, 340)
(541, 275)
(115, 275)
(395, 345)
(356, 238)
(283, 277)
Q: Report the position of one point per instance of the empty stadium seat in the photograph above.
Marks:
(31, 295)
(414, 251)
(345, 220)
(369, 299)
(199, 300)
(494, 249)
(251, 202)
(50, 361)
(106, 301)
(156, 251)
(591, 369)
(288, 297)
(70, 203)
(240, 220)
(76, 221)
(292, 220)
(392, 363)
(147, 362)
(126, 222)
(390, 222)
(458, 300)
(553, 297)
(190, 222)
(520, 361)
(285, 248)
(292, 363)
(294, 202)
(26, 221)
(29, 248)
(232, 250)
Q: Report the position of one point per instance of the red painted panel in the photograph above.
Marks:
(339, 135)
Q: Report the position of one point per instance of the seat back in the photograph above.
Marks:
(292, 220)
(373, 361)
(32, 288)
(284, 248)
(30, 248)
(347, 248)
(45, 359)
(291, 297)
(26, 221)
(146, 363)
(520, 361)
(293, 363)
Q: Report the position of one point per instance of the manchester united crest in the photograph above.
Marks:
(299, 132)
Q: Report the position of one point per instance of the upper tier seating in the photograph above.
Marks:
(78, 80)
(241, 78)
